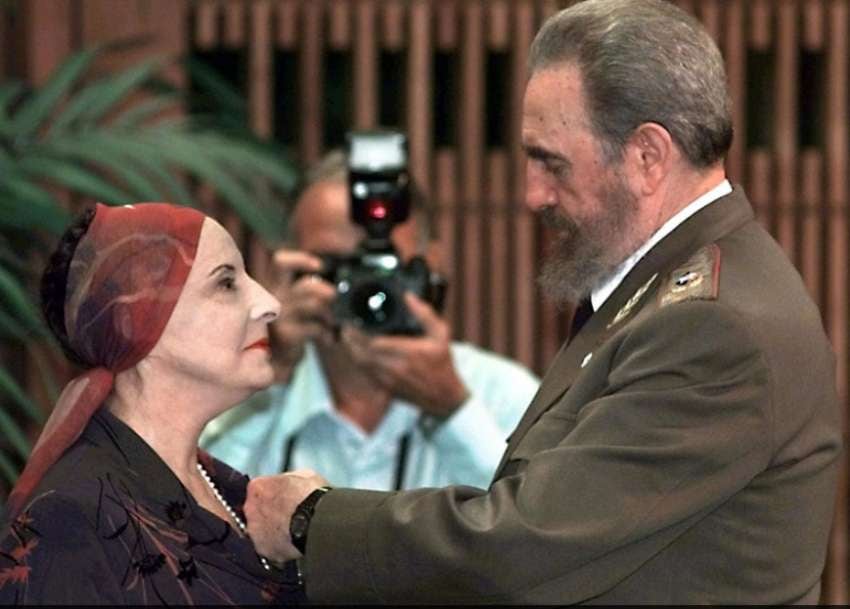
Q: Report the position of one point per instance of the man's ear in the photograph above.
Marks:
(650, 152)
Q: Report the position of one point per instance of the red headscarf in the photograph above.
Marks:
(124, 279)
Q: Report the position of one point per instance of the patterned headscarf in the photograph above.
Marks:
(124, 279)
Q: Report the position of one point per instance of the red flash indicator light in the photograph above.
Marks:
(376, 209)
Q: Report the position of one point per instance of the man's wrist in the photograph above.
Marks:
(299, 524)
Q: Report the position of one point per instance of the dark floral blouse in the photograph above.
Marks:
(111, 524)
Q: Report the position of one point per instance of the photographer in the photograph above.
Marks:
(367, 408)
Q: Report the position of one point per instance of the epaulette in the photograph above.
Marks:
(697, 279)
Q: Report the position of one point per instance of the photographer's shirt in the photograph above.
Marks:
(296, 425)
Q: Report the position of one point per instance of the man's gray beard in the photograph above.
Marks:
(582, 257)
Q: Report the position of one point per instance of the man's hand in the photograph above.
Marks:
(305, 312)
(418, 369)
(269, 505)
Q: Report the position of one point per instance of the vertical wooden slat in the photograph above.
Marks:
(836, 180)
(813, 26)
(445, 180)
(365, 66)
(260, 93)
(758, 184)
(339, 24)
(392, 24)
(261, 69)
(710, 15)
(471, 134)
(760, 17)
(498, 24)
(811, 195)
(206, 23)
(234, 23)
(785, 125)
(523, 288)
(734, 47)
(287, 22)
(446, 13)
(311, 77)
(499, 263)
(419, 91)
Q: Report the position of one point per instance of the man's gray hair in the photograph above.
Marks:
(643, 61)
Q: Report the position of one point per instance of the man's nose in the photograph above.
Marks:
(538, 192)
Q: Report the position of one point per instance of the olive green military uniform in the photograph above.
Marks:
(682, 449)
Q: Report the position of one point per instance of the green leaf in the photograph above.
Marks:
(144, 111)
(98, 98)
(189, 154)
(135, 152)
(18, 303)
(24, 205)
(12, 432)
(98, 151)
(9, 92)
(14, 391)
(35, 110)
(8, 468)
(72, 176)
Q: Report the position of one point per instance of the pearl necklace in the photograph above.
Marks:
(230, 511)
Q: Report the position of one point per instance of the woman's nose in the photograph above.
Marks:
(266, 308)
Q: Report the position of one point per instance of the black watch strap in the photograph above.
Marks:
(300, 521)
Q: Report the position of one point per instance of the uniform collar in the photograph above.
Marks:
(601, 294)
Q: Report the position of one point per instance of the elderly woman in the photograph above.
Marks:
(116, 504)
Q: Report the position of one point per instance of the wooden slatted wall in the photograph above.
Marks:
(458, 95)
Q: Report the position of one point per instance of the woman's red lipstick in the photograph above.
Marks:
(263, 343)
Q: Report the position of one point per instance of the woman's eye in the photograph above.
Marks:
(227, 283)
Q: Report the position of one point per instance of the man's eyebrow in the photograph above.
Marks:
(223, 267)
(541, 154)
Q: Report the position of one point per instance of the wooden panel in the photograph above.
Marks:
(836, 305)
(365, 66)
(811, 195)
(339, 24)
(287, 22)
(733, 45)
(445, 179)
(498, 263)
(419, 91)
(261, 69)
(813, 26)
(234, 24)
(311, 77)
(786, 126)
(206, 23)
(392, 24)
(446, 13)
(760, 30)
(473, 313)
(498, 24)
(41, 53)
(523, 289)
(759, 185)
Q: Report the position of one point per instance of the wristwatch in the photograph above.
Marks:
(300, 521)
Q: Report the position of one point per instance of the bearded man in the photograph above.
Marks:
(683, 446)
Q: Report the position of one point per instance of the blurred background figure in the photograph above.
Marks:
(368, 408)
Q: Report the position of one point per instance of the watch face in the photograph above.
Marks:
(298, 526)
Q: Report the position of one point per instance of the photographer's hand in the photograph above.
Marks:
(305, 312)
(417, 369)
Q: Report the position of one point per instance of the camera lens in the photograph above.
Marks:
(373, 303)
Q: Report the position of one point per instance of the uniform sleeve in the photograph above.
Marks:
(680, 426)
(470, 444)
(51, 555)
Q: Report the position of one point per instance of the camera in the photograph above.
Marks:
(371, 282)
